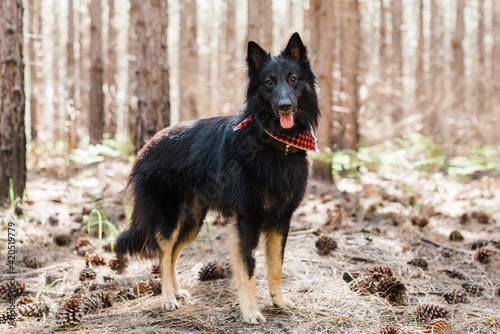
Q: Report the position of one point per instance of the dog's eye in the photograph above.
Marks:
(293, 78)
(269, 82)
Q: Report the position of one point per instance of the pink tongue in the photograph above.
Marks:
(286, 120)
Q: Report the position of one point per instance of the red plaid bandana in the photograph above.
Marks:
(304, 140)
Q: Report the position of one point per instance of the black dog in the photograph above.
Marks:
(251, 166)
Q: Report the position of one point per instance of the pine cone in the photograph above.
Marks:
(125, 294)
(155, 269)
(325, 245)
(82, 242)
(464, 219)
(4, 316)
(79, 291)
(440, 326)
(456, 236)
(62, 240)
(455, 296)
(87, 274)
(349, 276)
(96, 300)
(482, 255)
(363, 285)
(96, 259)
(428, 312)
(155, 286)
(33, 310)
(117, 265)
(391, 289)
(420, 221)
(479, 244)
(25, 300)
(9, 292)
(105, 286)
(211, 270)
(108, 278)
(70, 313)
(142, 289)
(473, 289)
(378, 272)
(32, 262)
(419, 262)
(390, 329)
(482, 218)
(452, 273)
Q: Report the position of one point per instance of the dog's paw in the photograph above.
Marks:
(182, 294)
(169, 304)
(254, 318)
(283, 303)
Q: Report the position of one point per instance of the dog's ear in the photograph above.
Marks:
(295, 49)
(256, 56)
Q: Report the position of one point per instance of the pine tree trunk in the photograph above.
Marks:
(495, 53)
(397, 59)
(57, 121)
(480, 77)
(260, 23)
(350, 54)
(228, 66)
(36, 64)
(188, 62)
(12, 99)
(111, 68)
(70, 132)
(383, 42)
(96, 115)
(419, 71)
(152, 91)
(133, 51)
(83, 105)
(458, 56)
(322, 48)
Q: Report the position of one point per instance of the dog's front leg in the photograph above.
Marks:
(275, 246)
(243, 248)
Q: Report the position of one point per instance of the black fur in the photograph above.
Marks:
(187, 169)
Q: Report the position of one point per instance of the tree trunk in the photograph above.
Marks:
(383, 42)
(480, 77)
(419, 71)
(397, 60)
(458, 57)
(12, 132)
(351, 48)
(228, 66)
(36, 64)
(57, 124)
(96, 124)
(153, 104)
(111, 69)
(322, 48)
(83, 68)
(70, 131)
(188, 62)
(133, 51)
(495, 53)
(260, 23)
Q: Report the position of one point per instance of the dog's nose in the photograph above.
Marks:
(285, 107)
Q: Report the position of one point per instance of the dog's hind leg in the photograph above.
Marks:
(168, 301)
(275, 246)
(244, 243)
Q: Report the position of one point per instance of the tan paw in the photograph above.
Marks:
(169, 304)
(283, 303)
(253, 317)
(182, 294)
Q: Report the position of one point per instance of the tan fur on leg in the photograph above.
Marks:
(274, 264)
(245, 285)
(167, 289)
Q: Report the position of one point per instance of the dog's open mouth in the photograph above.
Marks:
(286, 120)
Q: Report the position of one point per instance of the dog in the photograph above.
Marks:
(251, 167)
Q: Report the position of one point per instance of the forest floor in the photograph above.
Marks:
(381, 217)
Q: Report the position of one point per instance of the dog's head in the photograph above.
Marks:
(282, 88)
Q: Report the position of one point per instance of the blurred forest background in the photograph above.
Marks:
(106, 69)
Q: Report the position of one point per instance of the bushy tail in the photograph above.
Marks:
(139, 237)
